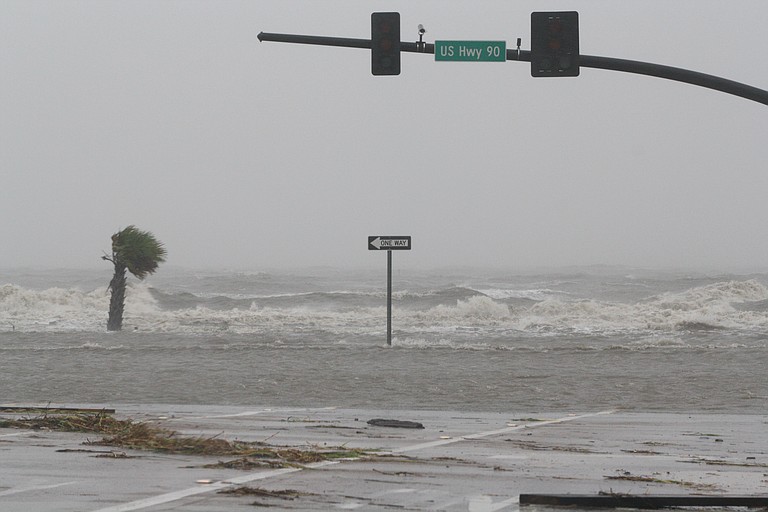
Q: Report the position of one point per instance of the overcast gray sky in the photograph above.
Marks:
(238, 154)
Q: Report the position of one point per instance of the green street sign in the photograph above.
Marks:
(471, 51)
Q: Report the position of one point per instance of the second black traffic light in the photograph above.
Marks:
(555, 43)
(385, 43)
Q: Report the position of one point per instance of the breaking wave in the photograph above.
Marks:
(726, 305)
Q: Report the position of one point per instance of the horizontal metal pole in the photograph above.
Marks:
(680, 75)
(642, 501)
(667, 72)
(586, 61)
(318, 40)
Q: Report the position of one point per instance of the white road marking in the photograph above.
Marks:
(402, 490)
(202, 489)
(17, 490)
(490, 506)
(262, 411)
(252, 413)
(217, 416)
(480, 435)
(482, 504)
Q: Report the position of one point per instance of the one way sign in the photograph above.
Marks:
(389, 243)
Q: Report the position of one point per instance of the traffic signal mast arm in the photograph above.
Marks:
(339, 41)
(678, 74)
(586, 61)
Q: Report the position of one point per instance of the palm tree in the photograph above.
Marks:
(140, 253)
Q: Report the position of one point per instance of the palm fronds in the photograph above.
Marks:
(138, 250)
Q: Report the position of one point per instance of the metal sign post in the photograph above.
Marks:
(389, 244)
(389, 298)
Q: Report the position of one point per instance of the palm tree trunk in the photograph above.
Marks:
(117, 300)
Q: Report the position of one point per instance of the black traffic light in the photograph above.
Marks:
(555, 43)
(385, 43)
